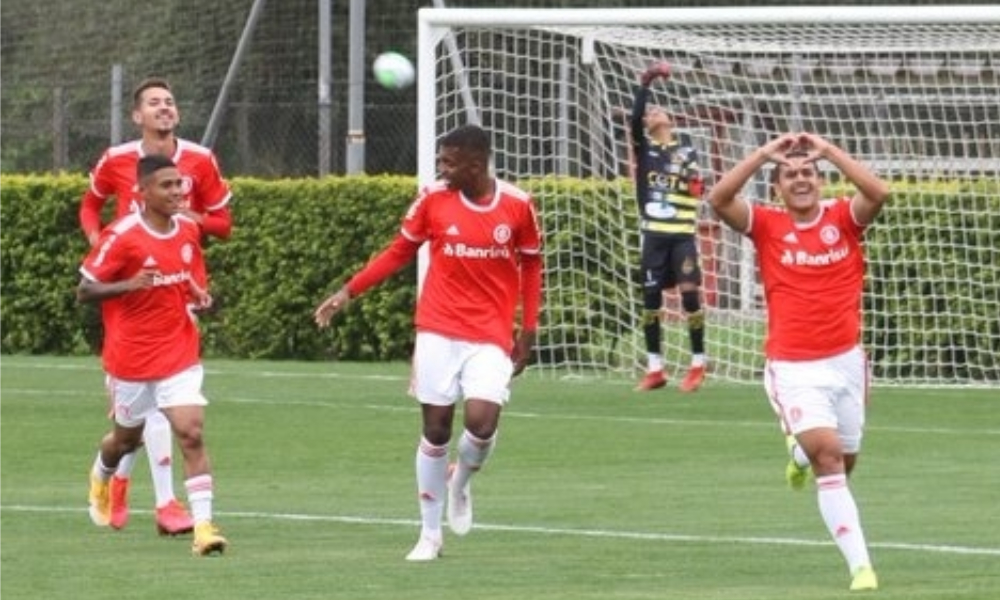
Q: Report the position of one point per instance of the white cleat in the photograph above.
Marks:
(460, 509)
(426, 549)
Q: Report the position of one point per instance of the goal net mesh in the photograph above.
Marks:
(917, 103)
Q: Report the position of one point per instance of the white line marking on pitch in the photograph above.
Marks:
(551, 531)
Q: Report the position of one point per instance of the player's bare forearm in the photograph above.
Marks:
(96, 291)
(723, 197)
(521, 355)
(873, 192)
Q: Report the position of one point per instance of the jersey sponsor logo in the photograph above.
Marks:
(476, 252)
(182, 276)
(660, 208)
(803, 258)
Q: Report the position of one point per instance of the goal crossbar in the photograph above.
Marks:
(913, 92)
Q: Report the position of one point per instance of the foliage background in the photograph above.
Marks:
(930, 310)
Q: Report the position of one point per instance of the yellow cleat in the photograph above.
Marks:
(207, 540)
(864, 580)
(100, 501)
(795, 475)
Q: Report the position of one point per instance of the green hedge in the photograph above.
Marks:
(934, 274)
(293, 242)
(932, 310)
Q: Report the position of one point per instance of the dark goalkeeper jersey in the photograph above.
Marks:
(667, 178)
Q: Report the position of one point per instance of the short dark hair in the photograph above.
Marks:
(472, 138)
(151, 163)
(145, 84)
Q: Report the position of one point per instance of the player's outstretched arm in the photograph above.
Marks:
(91, 206)
(872, 192)
(399, 253)
(734, 211)
(332, 305)
(95, 291)
(659, 70)
(522, 351)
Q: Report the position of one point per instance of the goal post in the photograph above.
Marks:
(913, 92)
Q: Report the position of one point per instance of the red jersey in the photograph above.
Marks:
(151, 333)
(204, 188)
(473, 282)
(813, 278)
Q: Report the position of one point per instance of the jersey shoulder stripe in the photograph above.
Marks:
(133, 148)
(509, 189)
(434, 188)
(192, 147)
(126, 223)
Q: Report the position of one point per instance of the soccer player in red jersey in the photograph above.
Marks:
(485, 260)
(812, 266)
(149, 266)
(206, 201)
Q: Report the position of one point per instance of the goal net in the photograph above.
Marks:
(914, 94)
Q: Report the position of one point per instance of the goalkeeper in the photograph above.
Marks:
(668, 187)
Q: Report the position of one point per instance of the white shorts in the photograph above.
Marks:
(827, 393)
(133, 401)
(446, 370)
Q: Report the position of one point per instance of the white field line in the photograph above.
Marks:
(554, 531)
(407, 405)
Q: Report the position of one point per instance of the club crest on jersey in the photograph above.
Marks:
(187, 251)
(501, 234)
(829, 234)
(187, 184)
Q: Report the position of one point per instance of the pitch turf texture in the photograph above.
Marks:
(594, 492)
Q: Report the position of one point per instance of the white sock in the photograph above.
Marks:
(125, 465)
(432, 482)
(200, 494)
(103, 472)
(840, 513)
(654, 362)
(799, 456)
(159, 449)
(472, 454)
(698, 360)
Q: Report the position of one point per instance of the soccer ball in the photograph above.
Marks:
(394, 71)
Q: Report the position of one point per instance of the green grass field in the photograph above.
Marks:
(595, 492)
